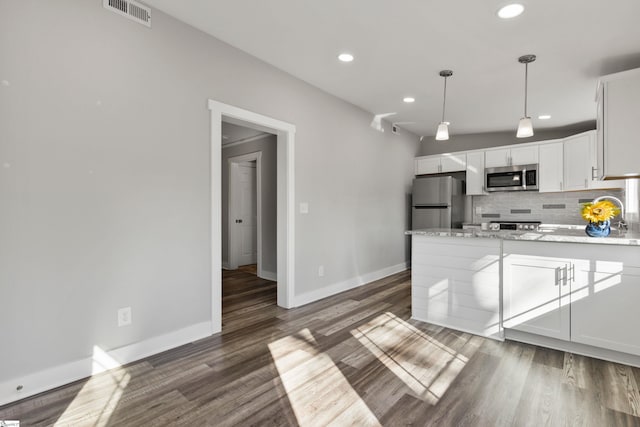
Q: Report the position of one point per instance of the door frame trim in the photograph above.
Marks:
(233, 163)
(285, 201)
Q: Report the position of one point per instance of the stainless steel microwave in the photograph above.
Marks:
(512, 178)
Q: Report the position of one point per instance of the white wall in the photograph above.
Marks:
(105, 193)
(476, 141)
(267, 146)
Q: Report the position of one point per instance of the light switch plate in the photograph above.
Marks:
(304, 208)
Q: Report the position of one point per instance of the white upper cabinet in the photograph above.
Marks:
(496, 158)
(427, 165)
(580, 161)
(524, 155)
(577, 163)
(550, 168)
(511, 156)
(475, 173)
(617, 122)
(454, 162)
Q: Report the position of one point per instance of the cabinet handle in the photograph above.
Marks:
(573, 273)
(586, 183)
(561, 185)
(557, 271)
(566, 275)
(593, 173)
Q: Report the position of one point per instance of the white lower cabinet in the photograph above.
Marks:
(536, 294)
(605, 299)
(583, 293)
(455, 283)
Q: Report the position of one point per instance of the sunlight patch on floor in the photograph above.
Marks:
(425, 365)
(103, 390)
(318, 392)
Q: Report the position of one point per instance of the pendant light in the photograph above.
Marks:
(443, 128)
(525, 127)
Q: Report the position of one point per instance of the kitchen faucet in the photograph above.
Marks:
(622, 224)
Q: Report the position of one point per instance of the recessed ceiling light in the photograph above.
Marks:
(408, 99)
(544, 117)
(345, 57)
(510, 11)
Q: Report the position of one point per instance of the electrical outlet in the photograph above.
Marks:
(321, 271)
(478, 210)
(304, 208)
(124, 316)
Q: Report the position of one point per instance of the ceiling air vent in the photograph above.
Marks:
(130, 9)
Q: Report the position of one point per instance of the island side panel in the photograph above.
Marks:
(455, 282)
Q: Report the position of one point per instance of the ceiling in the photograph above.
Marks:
(232, 133)
(401, 45)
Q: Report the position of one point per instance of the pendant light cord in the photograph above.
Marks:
(526, 79)
(444, 98)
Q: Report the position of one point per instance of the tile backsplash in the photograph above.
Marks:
(550, 208)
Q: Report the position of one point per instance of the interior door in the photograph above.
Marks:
(246, 222)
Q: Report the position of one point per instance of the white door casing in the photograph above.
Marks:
(285, 204)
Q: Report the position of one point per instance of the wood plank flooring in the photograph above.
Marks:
(352, 359)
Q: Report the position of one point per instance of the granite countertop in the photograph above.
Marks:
(546, 233)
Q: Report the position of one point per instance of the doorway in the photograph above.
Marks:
(285, 134)
(249, 202)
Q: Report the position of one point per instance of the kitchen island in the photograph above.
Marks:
(554, 287)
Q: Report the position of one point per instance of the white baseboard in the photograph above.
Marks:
(346, 285)
(268, 275)
(573, 347)
(498, 335)
(57, 376)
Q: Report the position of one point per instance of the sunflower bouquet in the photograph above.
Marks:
(599, 215)
(600, 211)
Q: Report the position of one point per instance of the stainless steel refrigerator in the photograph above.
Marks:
(438, 202)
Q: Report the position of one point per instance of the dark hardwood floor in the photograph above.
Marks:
(352, 359)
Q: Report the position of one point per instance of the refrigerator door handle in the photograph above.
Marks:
(431, 207)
